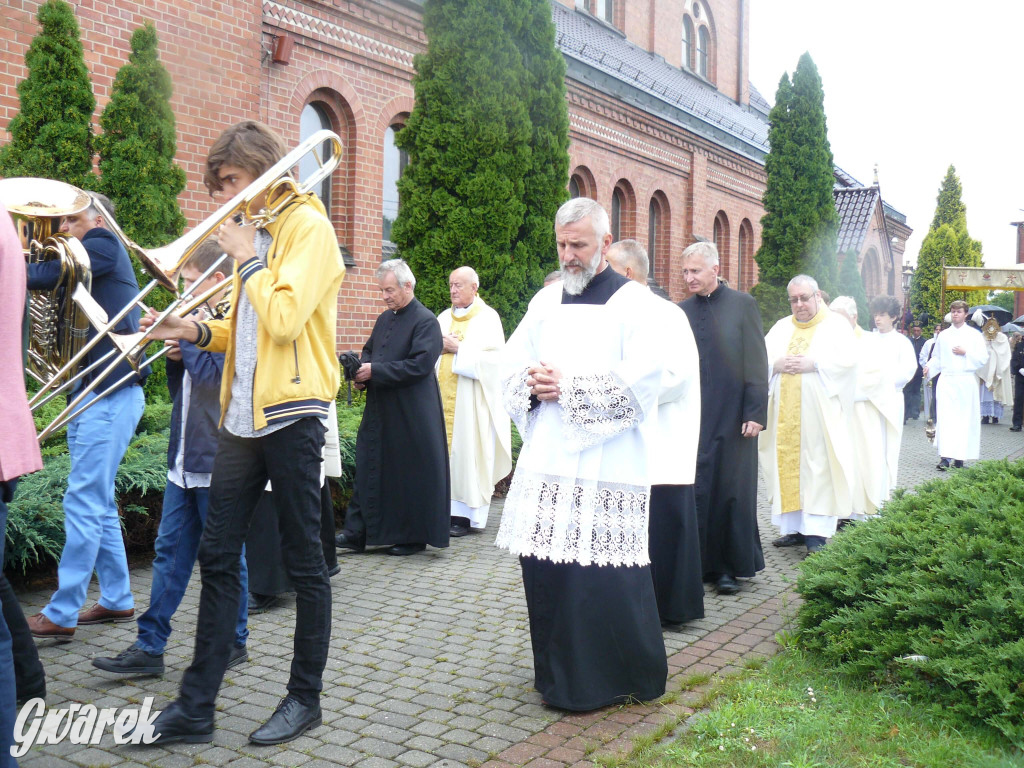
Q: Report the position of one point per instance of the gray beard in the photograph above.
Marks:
(574, 283)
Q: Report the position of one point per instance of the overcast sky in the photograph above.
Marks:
(913, 86)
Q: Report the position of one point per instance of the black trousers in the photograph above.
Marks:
(290, 459)
(1018, 400)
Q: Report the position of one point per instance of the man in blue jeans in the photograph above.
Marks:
(193, 377)
(97, 440)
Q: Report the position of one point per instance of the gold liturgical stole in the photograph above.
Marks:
(448, 380)
(787, 443)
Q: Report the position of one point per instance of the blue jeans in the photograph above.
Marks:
(8, 696)
(290, 459)
(177, 543)
(97, 440)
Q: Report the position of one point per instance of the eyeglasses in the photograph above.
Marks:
(801, 299)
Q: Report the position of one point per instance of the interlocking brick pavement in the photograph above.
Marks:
(430, 661)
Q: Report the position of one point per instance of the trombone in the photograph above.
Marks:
(276, 187)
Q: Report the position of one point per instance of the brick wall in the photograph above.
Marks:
(353, 58)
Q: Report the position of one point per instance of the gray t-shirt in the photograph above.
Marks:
(239, 418)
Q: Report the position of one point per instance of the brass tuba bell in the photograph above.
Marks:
(57, 327)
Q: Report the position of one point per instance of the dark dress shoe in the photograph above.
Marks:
(727, 585)
(133, 661)
(42, 627)
(815, 544)
(943, 465)
(238, 655)
(99, 614)
(174, 724)
(290, 720)
(1016, 429)
(346, 540)
(789, 540)
(400, 550)
(958, 464)
(261, 603)
(457, 531)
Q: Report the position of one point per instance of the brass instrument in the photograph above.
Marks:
(57, 328)
(275, 188)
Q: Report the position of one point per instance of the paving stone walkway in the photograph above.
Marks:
(430, 662)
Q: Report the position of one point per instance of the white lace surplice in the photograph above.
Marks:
(580, 491)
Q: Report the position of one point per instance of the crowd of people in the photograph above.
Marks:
(636, 483)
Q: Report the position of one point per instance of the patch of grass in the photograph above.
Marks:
(792, 713)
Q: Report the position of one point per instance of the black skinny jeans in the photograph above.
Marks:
(290, 459)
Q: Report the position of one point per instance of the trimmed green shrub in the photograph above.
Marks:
(940, 577)
(35, 521)
(51, 136)
(138, 144)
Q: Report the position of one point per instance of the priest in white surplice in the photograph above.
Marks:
(673, 533)
(479, 431)
(959, 352)
(582, 375)
(805, 451)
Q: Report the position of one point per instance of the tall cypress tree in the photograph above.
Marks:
(547, 176)
(948, 242)
(800, 222)
(483, 141)
(51, 136)
(137, 148)
(850, 284)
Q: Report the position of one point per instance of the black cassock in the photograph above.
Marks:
(734, 389)
(402, 485)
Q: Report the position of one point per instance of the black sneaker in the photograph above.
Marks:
(134, 661)
(239, 655)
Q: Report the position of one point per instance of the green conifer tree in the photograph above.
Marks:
(800, 222)
(138, 144)
(850, 284)
(947, 242)
(473, 192)
(51, 136)
(547, 176)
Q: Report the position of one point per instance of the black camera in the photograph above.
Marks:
(349, 364)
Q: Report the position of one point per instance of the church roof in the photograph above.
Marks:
(601, 57)
(856, 207)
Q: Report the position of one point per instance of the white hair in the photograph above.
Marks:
(707, 251)
(846, 305)
(473, 276)
(631, 254)
(803, 280)
(580, 208)
(399, 269)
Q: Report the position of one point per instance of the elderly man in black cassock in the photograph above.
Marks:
(401, 493)
(734, 409)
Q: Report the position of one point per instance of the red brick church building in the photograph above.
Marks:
(666, 130)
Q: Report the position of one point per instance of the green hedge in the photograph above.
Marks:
(35, 526)
(939, 577)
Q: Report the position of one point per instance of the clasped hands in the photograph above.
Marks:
(794, 364)
(543, 381)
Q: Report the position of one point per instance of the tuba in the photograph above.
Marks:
(57, 327)
(276, 187)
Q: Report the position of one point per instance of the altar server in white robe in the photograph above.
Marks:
(479, 431)
(674, 536)
(885, 361)
(582, 376)
(805, 451)
(960, 351)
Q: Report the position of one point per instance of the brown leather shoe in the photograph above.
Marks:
(40, 626)
(101, 615)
